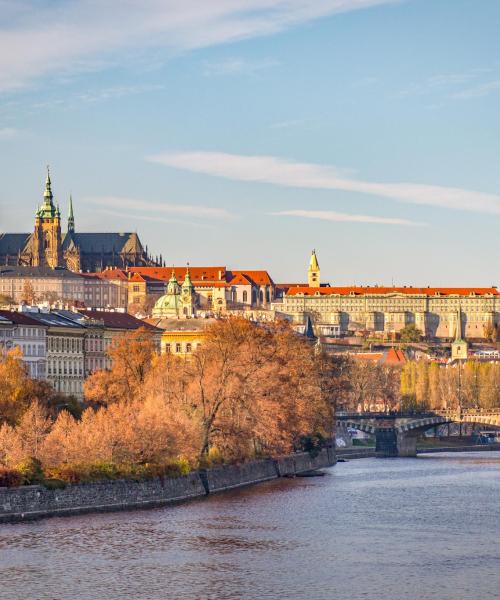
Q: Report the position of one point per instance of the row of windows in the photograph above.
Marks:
(180, 348)
(64, 367)
(64, 344)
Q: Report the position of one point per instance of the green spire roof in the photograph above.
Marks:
(47, 210)
(187, 283)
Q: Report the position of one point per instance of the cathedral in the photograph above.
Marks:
(48, 246)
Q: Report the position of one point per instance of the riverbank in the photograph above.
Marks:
(359, 452)
(36, 501)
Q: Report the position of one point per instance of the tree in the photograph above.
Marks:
(410, 334)
(6, 300)
(132, 357)
(28, 294)
(25, 441)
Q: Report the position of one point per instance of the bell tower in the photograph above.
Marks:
(47, 241)
(313, 273)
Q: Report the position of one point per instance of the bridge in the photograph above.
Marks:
(396, 433)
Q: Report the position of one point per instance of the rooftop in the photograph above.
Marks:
(384, 291)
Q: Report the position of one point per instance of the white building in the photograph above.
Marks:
(18, 330)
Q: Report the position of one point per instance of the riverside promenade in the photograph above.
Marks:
(36, 501)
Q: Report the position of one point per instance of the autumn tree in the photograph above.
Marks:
(132, 357)
(254, 388)
(28, 293)
(410, 334)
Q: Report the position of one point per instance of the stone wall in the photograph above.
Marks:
(33, 502)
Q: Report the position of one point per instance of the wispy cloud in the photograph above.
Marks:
(7, 133)
(237, 66)
(282, 172)
(452, 84)
(479, 91)
(61, 38)
(154, 219)
(329, 215)
(197, 212)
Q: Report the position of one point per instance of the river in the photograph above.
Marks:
(388, 529)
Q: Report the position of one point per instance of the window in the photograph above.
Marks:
(188, 348)
(136, 288)
(245, 296)
(168, 348)
(178, 347)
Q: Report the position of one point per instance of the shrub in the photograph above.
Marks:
(10, 477)
(214, 458)
(54, 484)
(31, 471)
(66, 473)
(99, 471)
(312, 444)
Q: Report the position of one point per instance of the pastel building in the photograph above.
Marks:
(386, 310)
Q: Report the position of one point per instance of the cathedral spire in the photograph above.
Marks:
(47, 210)
(48, 189)
(71, 218)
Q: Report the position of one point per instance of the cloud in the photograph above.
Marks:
(154, 219)
(197, 212)
(43, 38)
(444, 83)
(478, 91)
(329, 215)
(286, 173)
(7, 133)
(237, 66)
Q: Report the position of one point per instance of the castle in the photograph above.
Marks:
(48, 246)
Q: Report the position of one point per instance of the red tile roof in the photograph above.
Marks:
(197, 273)
(381, 291)
(258, 277)
(390, 357)
(117, 320)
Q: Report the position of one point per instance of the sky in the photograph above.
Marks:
(248, 132)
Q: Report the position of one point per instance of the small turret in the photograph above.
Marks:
(313, 273)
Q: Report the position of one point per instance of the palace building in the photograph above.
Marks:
(438, 312)
(48, 246)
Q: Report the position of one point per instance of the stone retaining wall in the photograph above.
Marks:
(35, 501)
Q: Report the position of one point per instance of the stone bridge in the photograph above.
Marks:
(396, 433)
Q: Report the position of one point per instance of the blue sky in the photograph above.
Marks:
(247, 132)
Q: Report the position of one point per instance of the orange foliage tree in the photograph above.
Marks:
(132, 357)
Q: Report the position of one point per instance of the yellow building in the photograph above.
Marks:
(181, 337)
(383, 310)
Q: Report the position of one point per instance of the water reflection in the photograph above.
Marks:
(392, 529)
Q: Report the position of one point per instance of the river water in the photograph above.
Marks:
(388, 529)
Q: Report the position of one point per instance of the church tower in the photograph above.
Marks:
(188, 296)
(459, 347)
(313, 273)
(47, 241)
(71, 218)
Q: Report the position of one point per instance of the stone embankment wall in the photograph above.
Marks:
(36, 501)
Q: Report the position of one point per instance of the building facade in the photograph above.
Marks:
(49, 246)
(18, 330)
(387, 310)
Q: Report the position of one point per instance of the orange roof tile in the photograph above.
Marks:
(258, 277)
(197, 273)
(381, 291)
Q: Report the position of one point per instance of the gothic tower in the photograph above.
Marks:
(313, 273)
(188, 296)
(71, 218)
(47, 241)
